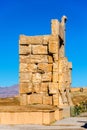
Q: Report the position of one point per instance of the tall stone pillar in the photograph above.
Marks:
(44, 70)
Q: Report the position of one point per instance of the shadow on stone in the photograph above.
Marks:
(84, 126)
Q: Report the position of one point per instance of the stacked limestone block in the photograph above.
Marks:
(44, 70)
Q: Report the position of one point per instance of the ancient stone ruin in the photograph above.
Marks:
(45, 73)
(45, 79)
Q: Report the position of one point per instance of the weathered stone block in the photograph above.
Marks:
(25, 77)
(55, 77)
(37, 87)
(35, 99)
(53, 88)
(53, 46)
(23, 59)
(55, 67)
(23, 40)
(55, 99)
(44, 87)
(61, 31)
(55, 57)
(23, 49)
(32, 67)
(25, 87)
(37, 59)
(61, 86)
(47, 100)
(61, 78)
(23, 99)
(47, 77)
(39, 49)
(50, 59)
(45, 40)
(36, 78)
(23, 67)
(45, 67)
(61, 51)
(55, 27)
(35, 40)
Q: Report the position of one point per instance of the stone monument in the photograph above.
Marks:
(45, 73)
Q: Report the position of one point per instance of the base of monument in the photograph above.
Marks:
(32, 114)
(66, 111)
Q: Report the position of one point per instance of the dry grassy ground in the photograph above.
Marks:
(9, 101)
(78, 97)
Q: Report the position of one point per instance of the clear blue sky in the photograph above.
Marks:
(32, 17)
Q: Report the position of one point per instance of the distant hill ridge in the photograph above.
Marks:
(73, 89)
(9, 91)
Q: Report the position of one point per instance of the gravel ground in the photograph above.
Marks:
(74, 123)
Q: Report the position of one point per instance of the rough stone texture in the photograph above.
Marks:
(24, 49)
(36, 78)
(45, 73)
(45, 67)
(39, 49)
(47, 100)
(53, 88)
(35, 99)
(47, 77)
(44, 87)
(26, 87)
(56, 99)
(25, 77)
(37, 59)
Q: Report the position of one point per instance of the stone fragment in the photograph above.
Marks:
(47, 100)
(53, 88)
(47, 77)
(45, 67)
